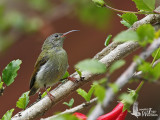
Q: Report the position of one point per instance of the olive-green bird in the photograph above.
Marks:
(51, 64)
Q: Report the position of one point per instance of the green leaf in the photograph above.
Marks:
(91, 92)
(82, 93)
(99, 3)
(149, 73)
(91, 65)
(23, 101)
(99, 92)
(102, 81)
(10, 71)
(116, 65)
(126, 36)
(125, 23)
(66, 117)
(65, 103)
(146, 34)
(128, 99)
(156, 54)
(45, 93)
(128, 19)
(85, 95)
(145, 5)
(65, 75)
(107, 40)
(79, 72)
(70, 104)
(114, 87)
(1, 85)
(8, 115)
(157, 34)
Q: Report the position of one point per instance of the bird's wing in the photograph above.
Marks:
(42, 59)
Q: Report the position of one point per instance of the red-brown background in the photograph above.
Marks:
(79, 45)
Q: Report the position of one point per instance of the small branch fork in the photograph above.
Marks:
(106, 56)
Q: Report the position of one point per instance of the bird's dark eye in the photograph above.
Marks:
(56, 35)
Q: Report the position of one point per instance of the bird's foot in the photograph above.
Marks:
(73, 79)
(82, 78)
(51, 97)
(39, 96)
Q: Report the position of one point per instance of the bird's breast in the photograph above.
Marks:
(53, 70)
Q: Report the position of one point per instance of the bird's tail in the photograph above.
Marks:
(33, 91)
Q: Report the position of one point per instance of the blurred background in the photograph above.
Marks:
(24, 25)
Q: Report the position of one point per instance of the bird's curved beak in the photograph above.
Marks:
(64, 34)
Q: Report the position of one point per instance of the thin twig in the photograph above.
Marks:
(123, 11)
(75, 109)
(139, 87)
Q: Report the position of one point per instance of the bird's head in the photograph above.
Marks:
(56, 40)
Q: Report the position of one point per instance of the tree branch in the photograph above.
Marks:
(120, 51)
(122, 80)
(73, 110)
(67, 88)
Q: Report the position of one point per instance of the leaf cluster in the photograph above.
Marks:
(84, 94)
(128, 99)
(143, 35)
(70, 103)
(96, 89)
(149, 73)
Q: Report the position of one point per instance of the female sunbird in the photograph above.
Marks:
(51, 64)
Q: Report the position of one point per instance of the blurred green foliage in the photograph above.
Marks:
(15, 21)
(13, 24)
(8, 115)
(149, 73)
(143, 35)
(40, 5)
(128, 19)
(90, 14)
